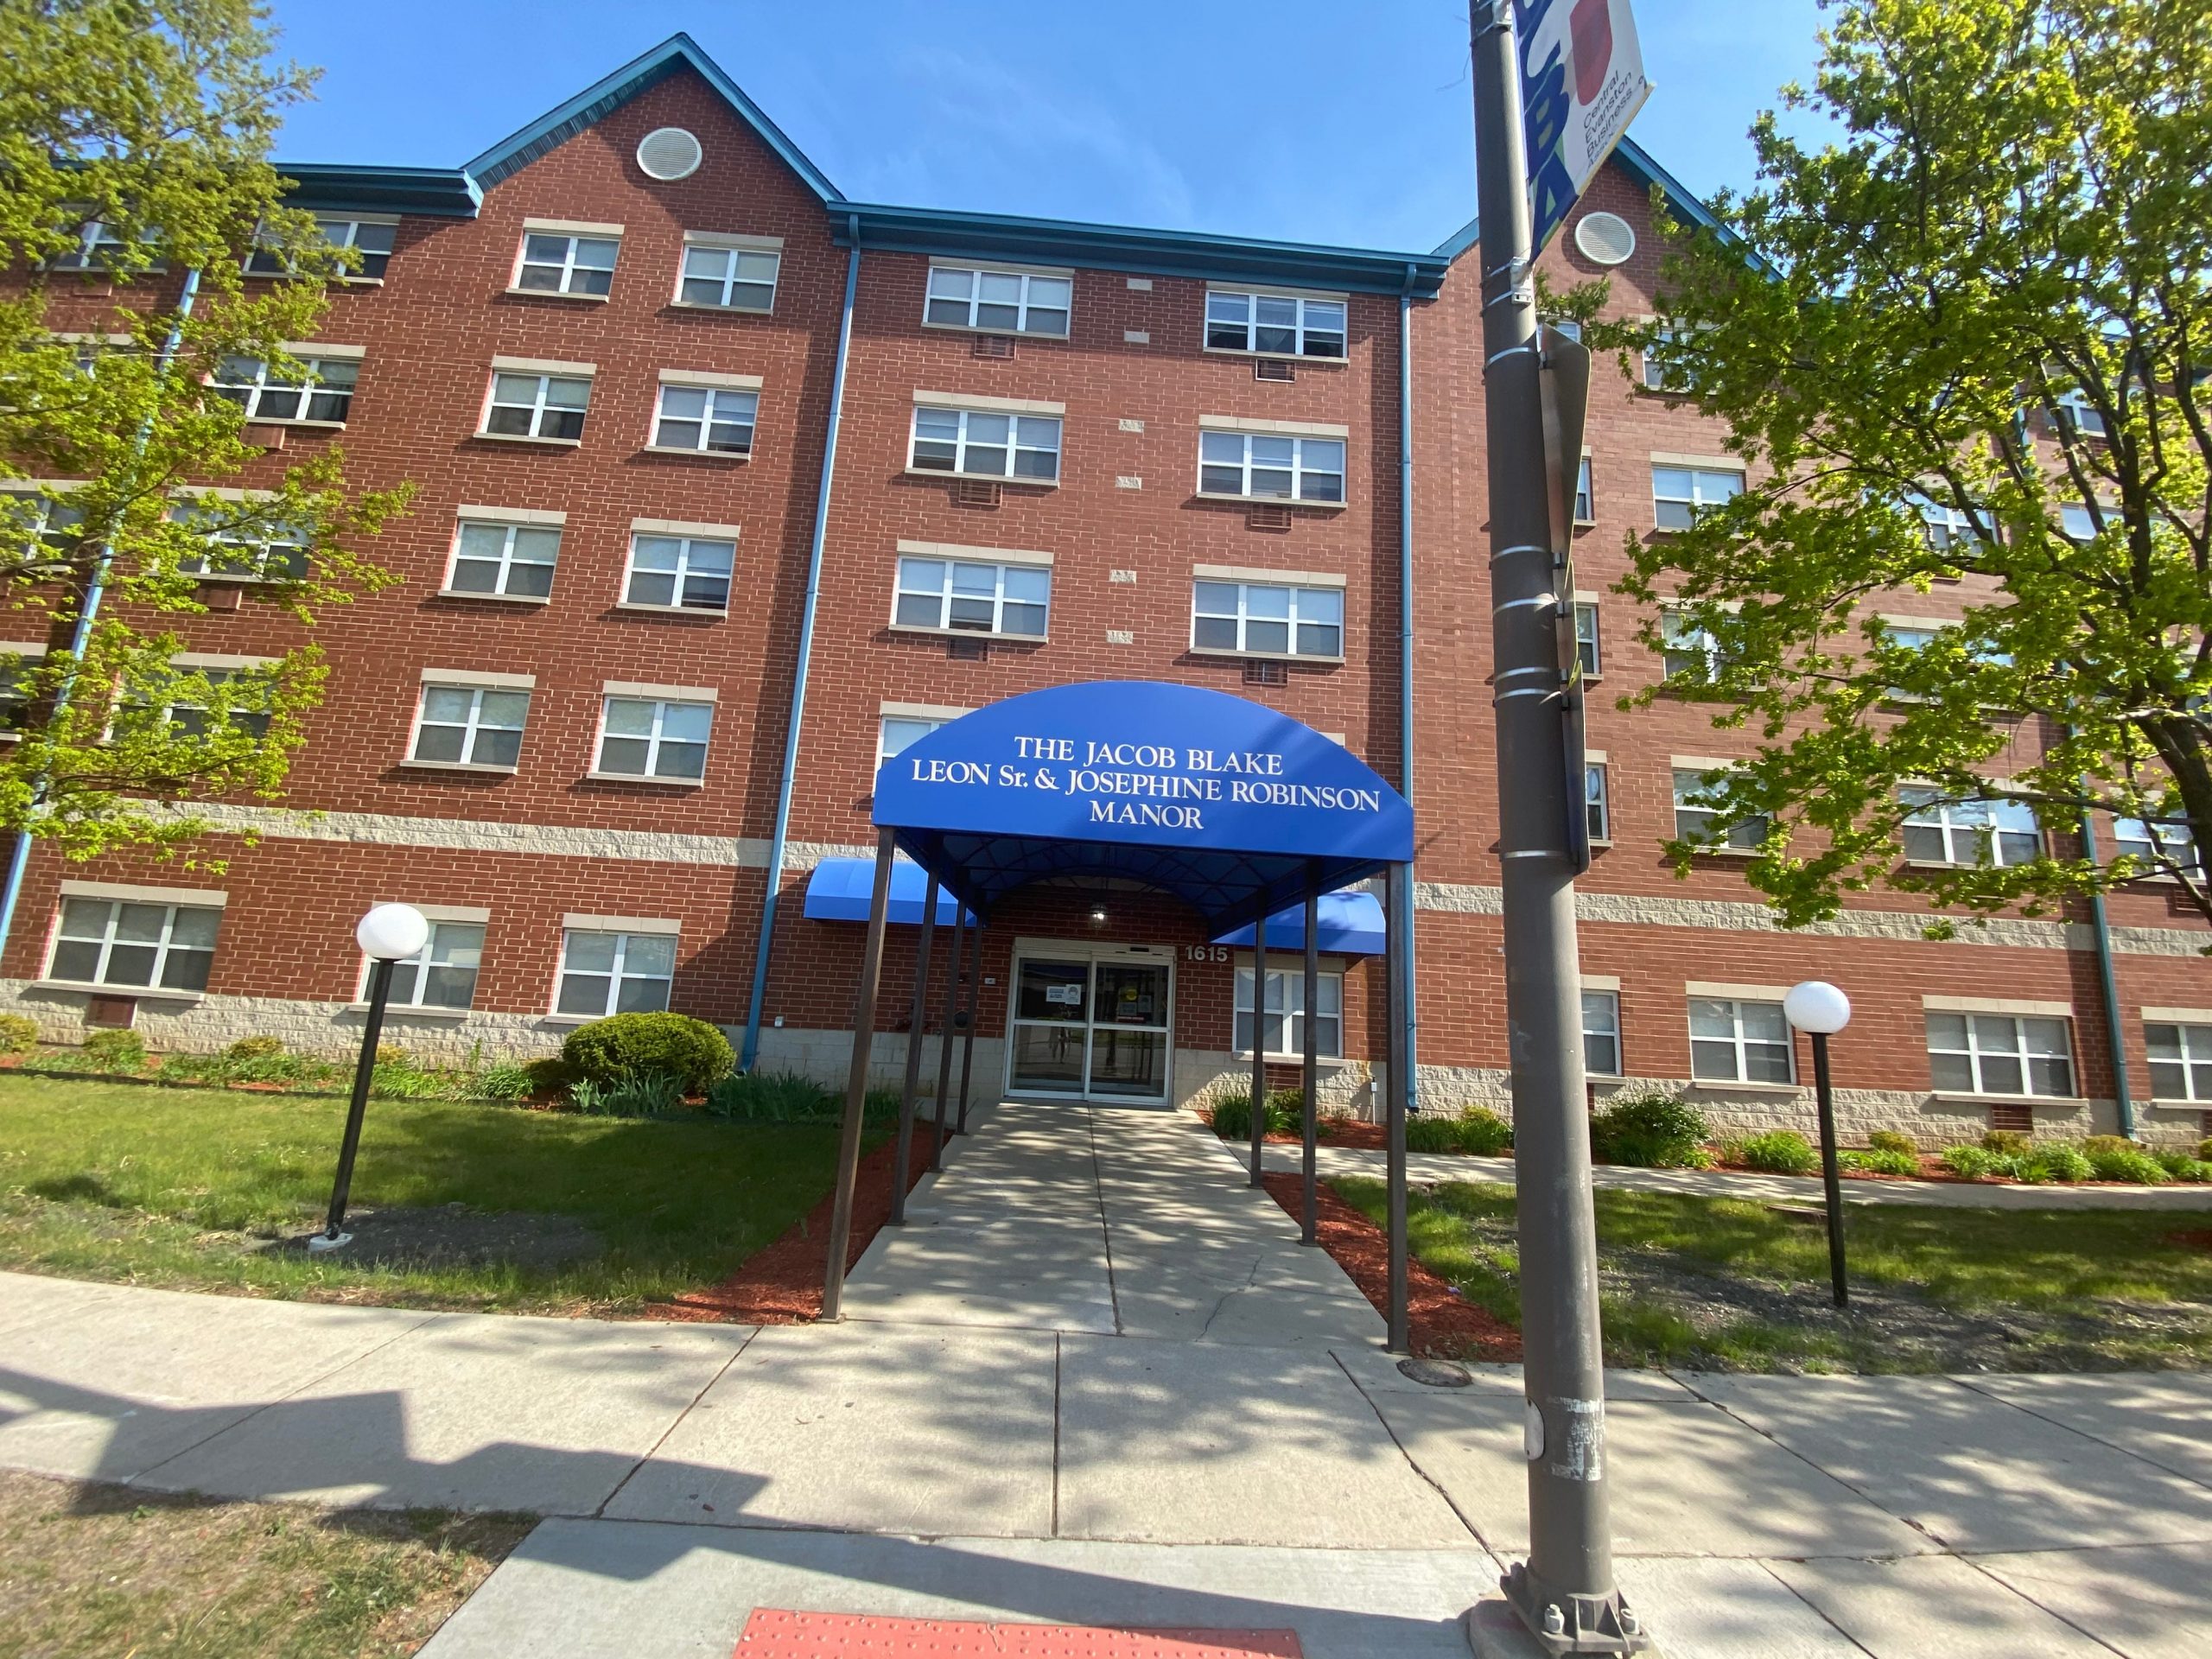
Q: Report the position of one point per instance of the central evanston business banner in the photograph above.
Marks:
(1582, 82)
(1140, 761)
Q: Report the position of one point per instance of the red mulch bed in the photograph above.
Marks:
(2192, 1239)
(782, 1285)
(1441, 1323)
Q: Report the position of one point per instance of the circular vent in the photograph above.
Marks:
(671, 153)
(1605, 238)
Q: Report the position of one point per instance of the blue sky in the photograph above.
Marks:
(1344, 123)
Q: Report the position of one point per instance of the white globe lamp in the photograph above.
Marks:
(1817, 1006)
(392, 932)
(387, 935)
(1819, 1009)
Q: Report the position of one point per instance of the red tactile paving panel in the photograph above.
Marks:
(771, 1633)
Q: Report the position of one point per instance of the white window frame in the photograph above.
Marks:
(1023, 303)
(927, 723)
(217, 673)
(270, 546)
(1655, 367)
(1608, 1031)
(1286, 1000)
(1697, 500)
(313, 383)
(472, 726)
(1014, 445)
(539, 407)
(2076, 523)
(569, 266)
(348, 228)
(410, 973)
(1305, 451)
(1680, 637)
(1291, 620)
(1974, 827)
(507, 563)
(2174, 839)
(1744, 837)
(736, 250)
(2192, 1053)
(660, 704)
(96, 236)
(616, 976)
(747, 398)
(948, 591)
(164, 948)
(2074, 404)
(1597, 800)
(1946, 527)
(1588, 647)
(1299, 327)
(1739, 1045)
(1585, 492)
(1976, 1048)
(691, 548)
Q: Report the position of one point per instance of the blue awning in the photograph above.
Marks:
(1352, 925)
(840, 889)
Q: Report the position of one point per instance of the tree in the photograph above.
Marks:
(1969, 342)
(134, 181)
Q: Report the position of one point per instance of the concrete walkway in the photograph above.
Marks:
(1095, 1425)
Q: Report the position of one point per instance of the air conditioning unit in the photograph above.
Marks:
(994, 346)
(976, 491)
(1274, 368)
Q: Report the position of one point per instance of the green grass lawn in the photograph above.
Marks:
(1726, 1283)
(189, 1189)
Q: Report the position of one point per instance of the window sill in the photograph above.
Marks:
(412, 1011)
(989, 636)
(2070, 1103)
(497, 599)
(983, 477)
(1585, 523)
(1601, 841)
(721, 311)
(137, 993)
(1725, 852)
(524, 437)
(554, 294)
(1223, 655)
(295, 426)
(1272, 1058)
(412, 765)
(1279, 357)
(633, 777)
(1269, 501)
(1721, 1086)
(1008, 334)
(333, 282)
(694, 454)
(224, 578)
(705, 613)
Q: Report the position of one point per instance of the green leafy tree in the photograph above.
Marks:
(1965, 342)
(134, 181)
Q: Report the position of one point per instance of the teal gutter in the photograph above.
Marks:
(438, 191)
(1404, 890)
(749, 1050)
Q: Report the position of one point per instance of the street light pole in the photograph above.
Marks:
(1819, 1009)
(389, 934)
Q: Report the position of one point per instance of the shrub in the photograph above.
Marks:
(2204, 1150)
(2183, 1168)
(1231, 1115)
(1653, 1130)
(1893, 1141)
(18, 1033)
(254, 1048)
(1880, 1161)
(2055, 1163)
(690, 1050)
(1483, 1133)
(1973, 1163)
(2006, 1143)
(116, 1050)
(770, 1097)
(549, 1074)
(2096, 1144)
(501, 1083)
(2134, 1164)
(1777, 1152)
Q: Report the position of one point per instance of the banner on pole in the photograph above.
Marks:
(1582, 82)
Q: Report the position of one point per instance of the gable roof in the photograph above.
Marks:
(602, 98)
(1639, 163)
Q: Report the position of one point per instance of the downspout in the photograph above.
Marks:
(80, 638)
(1403, 923)
(750, 1050)
(2108, 982)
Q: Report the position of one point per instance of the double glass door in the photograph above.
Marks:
(1098, 1029)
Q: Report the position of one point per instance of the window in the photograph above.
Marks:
(116, 941)
(2181, 1061)
(1660, 375)
(1733, 1040)
(1679, 494)
(553, 263)
(1566, 327)
(1968, 832)
(984, 445)
(2076, 411)
(471, 726)
(321, 391)
(512, 561)
(189, 719)
(539, 406)
(1007, 599)
(1261, 466)
(1585, 637)
(1601, 1033)
(19, 665)
(1999, 1054)
(655, 737)
(714, 420)
(1585, 494)
(1003, 302)
(2155, 844)
(1694, 822)
(1596, 806)
(1948, 527)
(680, 572)
(1286, 1022)
(1263, 620)
(442, 973)
(727, 277)
(234, 551)
(371, 239)
(2075, 521)
(615, 973)
(46, 519)
(1688, 650)
(100, 247)
(1275, 325)
(897, 731)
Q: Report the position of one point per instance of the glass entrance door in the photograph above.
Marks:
(1091, 1029)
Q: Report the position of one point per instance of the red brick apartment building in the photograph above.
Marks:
(612, 350)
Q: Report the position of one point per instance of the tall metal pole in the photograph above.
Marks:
(1309, 1216)
(973, 1002)
(1259, 1045)
(1565, 1592)
(1838, 1279)
(917, 1019)
(849, 1143)
(944, 1034)
(1398, 1086)
(334, 1234)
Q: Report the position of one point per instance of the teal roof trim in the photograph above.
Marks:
(678, 52)
(1115, 247)
(1640, 166)
(441, 191)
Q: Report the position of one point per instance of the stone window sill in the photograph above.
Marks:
(721, 311)
(1278, 357)
(1227, 655)
(497, 599)
(410, 1011)
(986, 634)
(983, 477)
(413, 764)
(693, 455)
(554, 294)
(137, 993)
(2066, 1102)
(1269, 501)
(525, 437)
(655, 783)
(704, 612)
(1722, 1086)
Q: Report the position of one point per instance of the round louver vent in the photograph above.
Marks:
(672, 153)
(1605, 238)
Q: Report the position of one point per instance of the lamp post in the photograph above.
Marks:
(1819, 1009)
(387, 935)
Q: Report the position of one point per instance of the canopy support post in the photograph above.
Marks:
(944, 1031)
(849, 1143)
(1259, 1044)
(1394, 878)
(975, 1002)
(1309, 1216)
(916, 1022)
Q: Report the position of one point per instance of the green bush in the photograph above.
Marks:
(1893, 1141)
(1777, 1152)
(770, 1097)
(501, 1083)
(2183, 1168)
(1231, 1115)
(549, 1074)
(1483, 1133)
(1652, 1130)
(637, 1094)
(2204, 1150)
(2006, 1143)
(1880, 1161)
(116, 1050)
(18, 1033)
(2096, 1144)
(2055, 1163)
(2133, 1165)
(254, 1048)
(1975, 1163)
(690, 1050)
